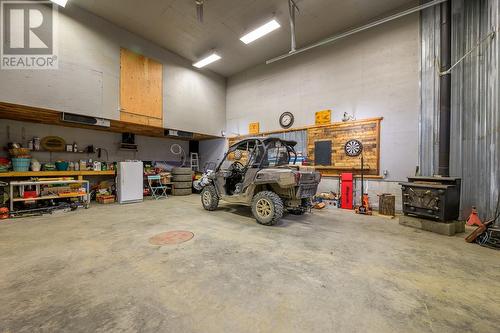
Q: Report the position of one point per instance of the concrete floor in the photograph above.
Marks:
(330, 271)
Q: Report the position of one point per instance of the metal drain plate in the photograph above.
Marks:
(171, 237)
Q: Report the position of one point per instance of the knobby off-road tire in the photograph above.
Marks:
(297, 211)
(267, 208)
(182, 191)
(180, 185)
(182, 178)
(182, 171)
(209, 198)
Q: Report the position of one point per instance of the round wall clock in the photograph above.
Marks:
(353, 148)
(287, 119)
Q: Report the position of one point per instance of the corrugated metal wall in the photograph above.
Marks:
(475, 120)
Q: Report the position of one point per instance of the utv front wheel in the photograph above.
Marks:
(209, 198)
(267, 208)
(297, 211)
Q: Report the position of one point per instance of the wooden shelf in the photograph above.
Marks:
(321, 167)
(49, 197)
(60, 152)
(326, 175)
(14, 174)
(53, 117)
(303, 128)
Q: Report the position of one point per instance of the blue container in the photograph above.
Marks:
(21, 164)
(62, 166)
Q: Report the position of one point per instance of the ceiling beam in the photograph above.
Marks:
(356, 30)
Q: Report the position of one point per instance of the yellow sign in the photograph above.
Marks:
(253, 128)
(324, 117)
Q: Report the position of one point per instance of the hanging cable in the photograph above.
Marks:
(490, 36)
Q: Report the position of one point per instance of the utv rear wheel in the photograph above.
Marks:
(209, 198)
(267, 208)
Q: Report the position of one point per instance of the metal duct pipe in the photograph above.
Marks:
(291, 8)
(360, 29)
(445, 92)
(199, 10)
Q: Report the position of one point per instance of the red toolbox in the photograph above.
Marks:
(347, 191)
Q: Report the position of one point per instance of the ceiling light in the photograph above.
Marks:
(61, 3)
(261, 31)
(208, 60)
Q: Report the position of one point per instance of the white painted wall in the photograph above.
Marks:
(88, 79)
(150, 149)
(212, 151)
(371, 74)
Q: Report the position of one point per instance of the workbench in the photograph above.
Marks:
(79, 174)
(85, 196)
(51, 174)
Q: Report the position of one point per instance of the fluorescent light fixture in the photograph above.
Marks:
(208, 60)
(260, 32)
(61, 3)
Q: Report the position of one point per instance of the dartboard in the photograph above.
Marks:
(353, 148)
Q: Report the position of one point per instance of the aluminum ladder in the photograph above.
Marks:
(195, 162)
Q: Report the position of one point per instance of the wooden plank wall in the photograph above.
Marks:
(141, 89)
(365, 131)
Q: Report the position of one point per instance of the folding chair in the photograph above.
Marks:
(158, 190)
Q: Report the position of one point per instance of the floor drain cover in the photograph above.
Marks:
(171, 237)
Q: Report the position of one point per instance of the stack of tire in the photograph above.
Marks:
(182, 180)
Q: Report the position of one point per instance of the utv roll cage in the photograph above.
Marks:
(264, 143)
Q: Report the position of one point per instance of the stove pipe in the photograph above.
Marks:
(445, 91)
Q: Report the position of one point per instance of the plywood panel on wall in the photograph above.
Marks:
(141, 89)
(365, 131)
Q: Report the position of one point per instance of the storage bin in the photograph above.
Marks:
(105, 199)
(62, 166)
(21, 164)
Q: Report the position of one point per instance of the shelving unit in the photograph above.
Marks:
(58, 153)
(13, 184)
(79, 174)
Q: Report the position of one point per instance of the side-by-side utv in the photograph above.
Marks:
(260, 173)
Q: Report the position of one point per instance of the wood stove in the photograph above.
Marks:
(435, 198)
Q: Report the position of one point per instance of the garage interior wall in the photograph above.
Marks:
(475, 114)
(371, 74)
(88, 79)
(149, 149)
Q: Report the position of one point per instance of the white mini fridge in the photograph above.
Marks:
(130, 182)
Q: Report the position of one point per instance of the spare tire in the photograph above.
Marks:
(182, 184)
(181, 191)
(182, 178)
(182, 171)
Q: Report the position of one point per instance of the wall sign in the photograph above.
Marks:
(324, 117)
(254, 128)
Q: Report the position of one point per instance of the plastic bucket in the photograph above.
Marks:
(21, 164)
